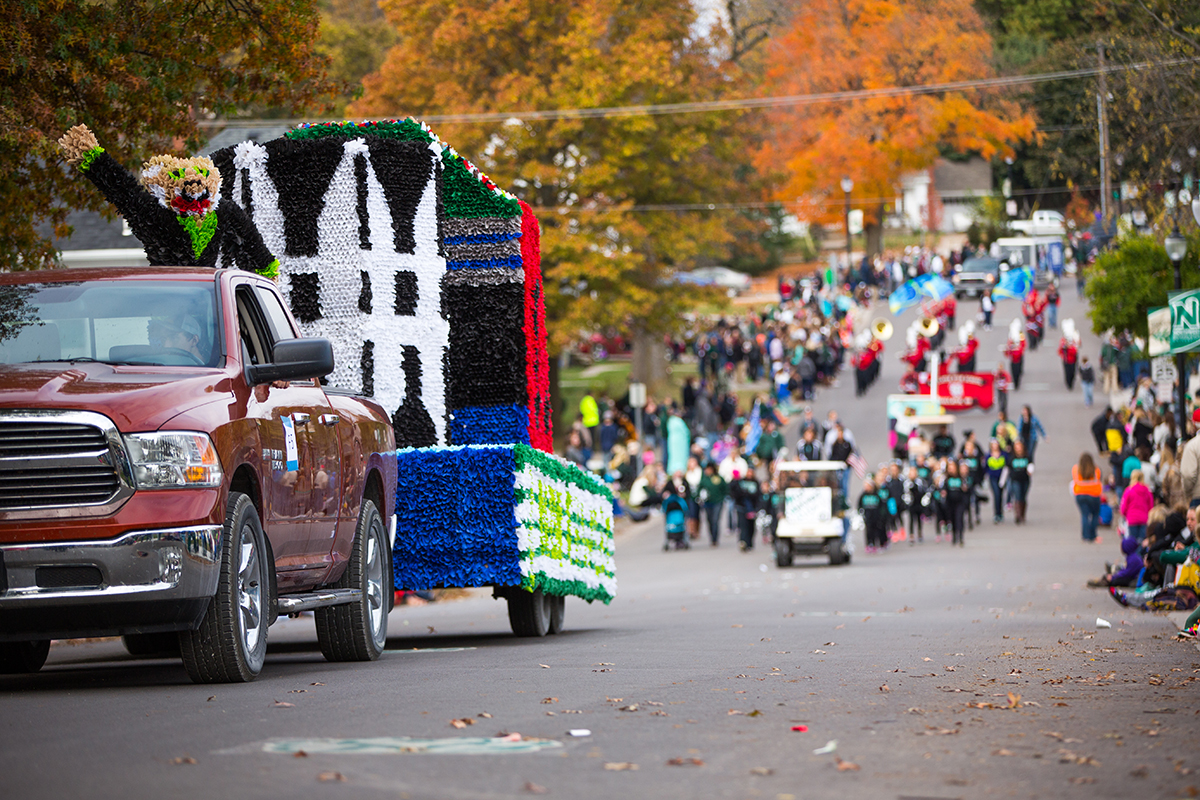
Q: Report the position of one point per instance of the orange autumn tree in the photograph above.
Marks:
(854, 45)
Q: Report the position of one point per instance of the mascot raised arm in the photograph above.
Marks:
(174, 208)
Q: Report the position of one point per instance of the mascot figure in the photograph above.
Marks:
(174, 211)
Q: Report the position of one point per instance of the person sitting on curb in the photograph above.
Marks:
(1127, 575)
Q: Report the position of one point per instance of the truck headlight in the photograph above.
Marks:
(989, 278)
(173, 460)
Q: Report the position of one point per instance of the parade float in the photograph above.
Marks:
(426, 278)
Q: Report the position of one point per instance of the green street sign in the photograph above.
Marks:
(1185, 321)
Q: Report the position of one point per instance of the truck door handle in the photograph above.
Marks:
(330, 419)
(300, 419)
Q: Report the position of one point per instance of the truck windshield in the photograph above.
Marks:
(164, 323)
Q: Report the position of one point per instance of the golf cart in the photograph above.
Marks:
(813, 509)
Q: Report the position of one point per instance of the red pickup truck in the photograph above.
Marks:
(172, 471)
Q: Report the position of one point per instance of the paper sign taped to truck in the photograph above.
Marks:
(808, 505)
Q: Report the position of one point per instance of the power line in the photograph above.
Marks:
(662, 109)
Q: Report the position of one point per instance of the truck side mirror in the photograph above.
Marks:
(294, 360)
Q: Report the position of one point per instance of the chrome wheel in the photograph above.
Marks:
(377, 607)
(249, 591)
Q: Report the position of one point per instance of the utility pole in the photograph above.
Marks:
(1102, 114)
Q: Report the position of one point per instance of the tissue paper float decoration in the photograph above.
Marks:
(392, 239)
(356, 221)
(504, 515)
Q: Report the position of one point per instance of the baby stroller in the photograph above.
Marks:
(674, 510)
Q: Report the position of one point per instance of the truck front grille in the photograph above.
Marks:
(49, 438)
(46, 463)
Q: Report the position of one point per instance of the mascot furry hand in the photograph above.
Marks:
(174, 210)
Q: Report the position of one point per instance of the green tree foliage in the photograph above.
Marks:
(622, 200)
(355, 37)
(1125, 283)
(139, 73)
(1152, 112)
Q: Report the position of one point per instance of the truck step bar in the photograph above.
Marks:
(295, 603)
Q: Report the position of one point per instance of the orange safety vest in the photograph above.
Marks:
(1091, 487)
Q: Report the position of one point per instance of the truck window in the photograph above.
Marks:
(143, 322)
(277, 319)
(252, 328)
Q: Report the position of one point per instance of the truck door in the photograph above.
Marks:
(302, 479)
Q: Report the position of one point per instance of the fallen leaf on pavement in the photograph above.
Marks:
(762, 771)
(829, 747)
(544, 666)
(431, 630)
(297, 691)
(1003, 752)
(571, 711)
(619, 766)
(933, 730)
(757, 713)
(630, 707)
(546, 700)
(818, 651)
(318, 683)
(652, 703)
(534, 788)
(1014, 700)
(885, 688)
(927, 659)
(949, 669)
(735, 626)
(734, 711)
(845, 766)
(659, 713)
(330, 775)
(281, 704)
(183, 760)
(299, 754)
(839, 627)
(462, 723)
(209, 700)
(1083, 780)
(830, 644)
(485, 715)
(685, 762)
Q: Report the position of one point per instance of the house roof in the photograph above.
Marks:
(960, 179)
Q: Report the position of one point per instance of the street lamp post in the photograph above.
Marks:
(847, 185)
(1176, 247)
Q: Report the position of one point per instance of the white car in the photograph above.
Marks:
(716, 276)
(1042, 223)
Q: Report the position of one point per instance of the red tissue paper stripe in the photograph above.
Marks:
(537, 364)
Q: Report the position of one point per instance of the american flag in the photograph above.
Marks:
(859, 464)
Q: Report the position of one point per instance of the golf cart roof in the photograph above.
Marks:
(811, 466)
(931, 419)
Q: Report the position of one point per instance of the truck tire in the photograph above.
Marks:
(529, 612)
(837, 553)
(231, 643)
(783, 552)
(358, 631)
(558, 613)
(19, 658)
(151, 645)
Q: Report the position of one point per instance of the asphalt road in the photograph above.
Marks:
(938, 672)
